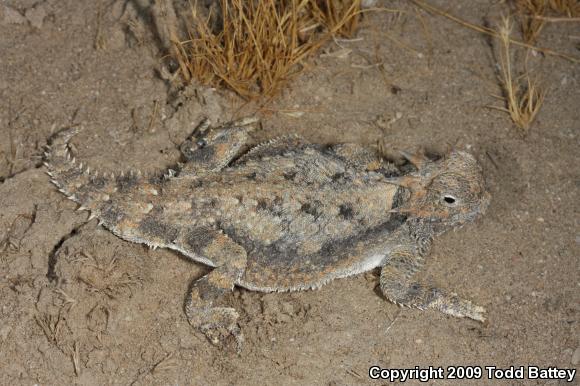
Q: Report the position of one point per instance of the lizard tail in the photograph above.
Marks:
(77, 181)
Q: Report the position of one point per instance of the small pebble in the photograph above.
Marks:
(368, 3)
(12, 16)
(576, 357)
(5, 331)
(35, 16)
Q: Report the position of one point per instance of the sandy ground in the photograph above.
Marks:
(80, 306)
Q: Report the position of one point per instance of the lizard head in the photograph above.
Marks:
(449, 192)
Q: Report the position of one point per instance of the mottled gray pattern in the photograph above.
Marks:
(286, 215)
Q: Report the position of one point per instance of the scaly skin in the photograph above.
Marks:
(286, 215)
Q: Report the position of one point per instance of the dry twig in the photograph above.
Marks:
(523, 99)
(492, 32)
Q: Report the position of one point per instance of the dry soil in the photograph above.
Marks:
(81, 306)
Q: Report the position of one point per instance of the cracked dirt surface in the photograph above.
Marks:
(82, 306)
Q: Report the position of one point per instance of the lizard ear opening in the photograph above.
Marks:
(449, 200)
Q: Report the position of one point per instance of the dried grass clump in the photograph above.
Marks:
(338, 17)
(253, 47)
(569, 8)
(533, 14)
(522, 95)
(529, 12)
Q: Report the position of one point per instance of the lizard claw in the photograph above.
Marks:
(474, 312)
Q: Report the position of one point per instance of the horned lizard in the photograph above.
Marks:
(286, 215)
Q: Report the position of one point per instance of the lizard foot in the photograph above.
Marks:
(461, 308)
(219, 325)
(417, 295)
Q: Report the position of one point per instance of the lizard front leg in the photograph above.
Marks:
(398, 285)
(216, 322)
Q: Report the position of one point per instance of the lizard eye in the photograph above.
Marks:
(201, 143)
(449, 200)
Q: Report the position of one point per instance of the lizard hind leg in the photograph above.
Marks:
(209, 149)
(216, 322)
(358, 156)
(398, 286)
